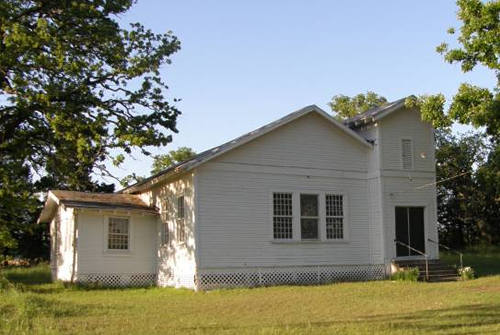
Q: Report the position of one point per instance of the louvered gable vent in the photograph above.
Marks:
(407, 154)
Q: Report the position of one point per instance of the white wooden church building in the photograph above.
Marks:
(304, 199)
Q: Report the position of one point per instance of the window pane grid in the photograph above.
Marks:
(334, 205)
(118, 233)
(282, 215)
(334, 228)
(334, 216)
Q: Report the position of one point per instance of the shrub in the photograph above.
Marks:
(466, 273)
(408, 274)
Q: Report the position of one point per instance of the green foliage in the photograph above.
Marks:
(346, 107)
(469, 206)
(478, 44)
(479, 35)
(161, 162)
(410, 274)
(460, 199)
(76, 89)
(431, 109)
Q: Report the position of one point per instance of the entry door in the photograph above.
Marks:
(410, 230)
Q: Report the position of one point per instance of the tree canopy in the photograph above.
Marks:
(161, 162)
(345, 107)
(478, 44)
(76, 90)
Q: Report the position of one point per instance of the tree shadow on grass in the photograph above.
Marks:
(456, 320)
(464, 319)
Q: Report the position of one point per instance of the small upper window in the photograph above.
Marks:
(118, 233)
(309, 216)
(407, 154)
(181, 223)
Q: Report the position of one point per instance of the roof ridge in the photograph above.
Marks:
(242, 139)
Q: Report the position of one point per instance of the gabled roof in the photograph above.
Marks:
(207, 155)
(92, 200)
(374, 114)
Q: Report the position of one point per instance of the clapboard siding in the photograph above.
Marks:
(176, 261)
(308, 142)
(406, 123)
(93, 256)
(235, 226)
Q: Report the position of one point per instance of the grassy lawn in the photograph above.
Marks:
(485, 261)
(383, 307)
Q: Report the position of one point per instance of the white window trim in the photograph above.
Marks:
(118, 252)
(412, 153)
(296, 229)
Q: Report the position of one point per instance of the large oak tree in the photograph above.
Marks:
(77, 89)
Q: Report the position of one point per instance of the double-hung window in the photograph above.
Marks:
(118, 233)
(282, 216)
(309, 216)
(334, 216)
(180, 222)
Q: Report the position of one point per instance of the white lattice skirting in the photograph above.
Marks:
(118, 279)
(297, 275)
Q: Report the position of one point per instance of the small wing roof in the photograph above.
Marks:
(91, 200)
(374, 114)
(223, 148)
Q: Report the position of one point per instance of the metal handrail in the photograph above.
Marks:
(450, 249)
(419, 252)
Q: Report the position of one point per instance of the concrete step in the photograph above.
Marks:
(438, 271)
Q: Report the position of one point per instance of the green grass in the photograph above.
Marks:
(383, 307)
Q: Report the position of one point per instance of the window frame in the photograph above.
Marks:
(107, 220)
(335, 217)
(180, 221)
(293, 233)
(412, 153)
(296, 228)
(165, 234)
(317, 218)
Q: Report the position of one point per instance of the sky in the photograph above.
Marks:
(243, 64)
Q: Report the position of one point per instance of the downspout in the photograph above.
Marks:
(73, 266)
